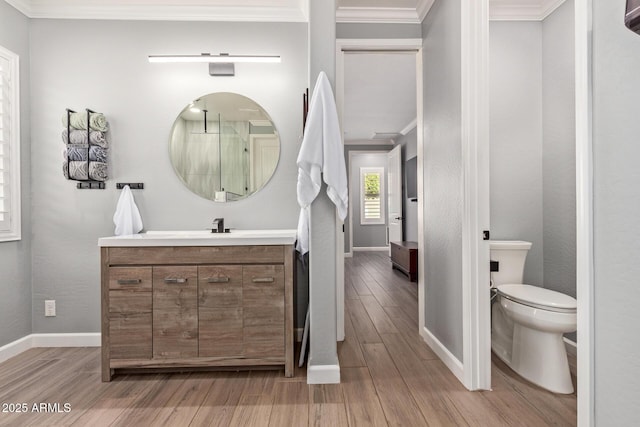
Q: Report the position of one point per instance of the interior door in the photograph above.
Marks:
(394, 195)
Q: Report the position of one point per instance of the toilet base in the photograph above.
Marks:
(538, 356)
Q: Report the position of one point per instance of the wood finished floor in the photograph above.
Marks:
(389, 377)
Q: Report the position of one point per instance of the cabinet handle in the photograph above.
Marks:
(263, 280)
(168, 280)
(218, 280)
(129, 281)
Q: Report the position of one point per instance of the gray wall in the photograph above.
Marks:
(616, 61)
(409, 144)
(370, 235)
(442, 174)
(532, 127)
(378, 31)
(515, 129)
(559, 159)
(15, 257)
(103, 65)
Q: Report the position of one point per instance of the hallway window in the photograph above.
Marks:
(372, 210)
(9, 147)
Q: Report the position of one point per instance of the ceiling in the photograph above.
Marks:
(374, 11)
(379, 95)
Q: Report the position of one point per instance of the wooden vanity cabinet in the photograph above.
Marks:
(181, 307)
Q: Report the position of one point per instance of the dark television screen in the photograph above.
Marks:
(411, 178)
(632, 15)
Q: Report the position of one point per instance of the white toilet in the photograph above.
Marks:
(527, 322)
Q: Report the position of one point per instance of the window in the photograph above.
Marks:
(9, 147)
(372, 207)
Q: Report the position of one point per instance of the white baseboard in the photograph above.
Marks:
(15, 348)
(90, 339)
(323, 374)
(454, 365)
(371, 249)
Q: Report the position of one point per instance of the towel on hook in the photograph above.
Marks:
(80, 137)
(127, 216)
(321, 158)
(97, 121)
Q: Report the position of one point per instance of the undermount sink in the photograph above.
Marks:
(201, 238)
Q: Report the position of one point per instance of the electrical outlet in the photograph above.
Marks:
(50, 308)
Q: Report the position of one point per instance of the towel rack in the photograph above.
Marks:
(84, 184)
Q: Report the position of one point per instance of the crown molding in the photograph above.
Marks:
(533, 10)
(423, 8)
(293, 11)
(377, 15)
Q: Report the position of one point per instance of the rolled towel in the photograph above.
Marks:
(98, 171)
(97, 121)
(78, 170)
(79, 152)
(80, 137)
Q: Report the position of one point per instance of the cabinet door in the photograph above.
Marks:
(175, 312)
(130, 312)
(220, 311)
(263, 310)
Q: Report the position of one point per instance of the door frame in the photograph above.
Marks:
(343, 45)
(585, 293)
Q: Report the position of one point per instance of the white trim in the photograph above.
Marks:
(378, 15)
(15, 213)
(476, 321)
(422, 302)
(454, 365)
(348, 254)
(294, 11)
(409, 127)
(584, 214)
(323, 374)
(345, 45)
(15, 348)
(384, 142)
(89, 339)
(423, 8)
(371, 249)
(512, 11)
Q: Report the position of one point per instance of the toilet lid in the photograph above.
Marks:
(537, 296)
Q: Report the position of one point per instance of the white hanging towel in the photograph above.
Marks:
(321, 157)
(127, 217)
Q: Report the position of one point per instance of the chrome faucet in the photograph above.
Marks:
(219, 224)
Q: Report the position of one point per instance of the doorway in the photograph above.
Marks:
(399, 124)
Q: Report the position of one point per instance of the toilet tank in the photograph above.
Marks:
(511, 255)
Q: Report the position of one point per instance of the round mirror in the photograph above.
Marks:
(224, 147)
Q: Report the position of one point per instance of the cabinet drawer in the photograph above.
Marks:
(133, 279)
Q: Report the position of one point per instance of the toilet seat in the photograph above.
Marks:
(537, 297)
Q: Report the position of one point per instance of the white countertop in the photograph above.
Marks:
(202, 238)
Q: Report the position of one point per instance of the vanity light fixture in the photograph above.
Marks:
(219, 65)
